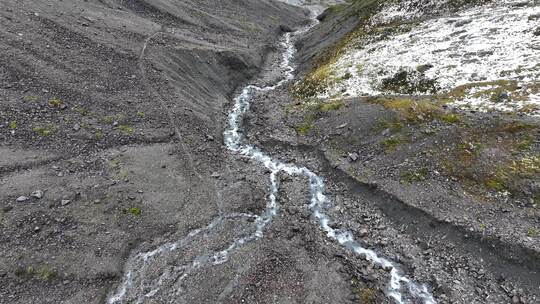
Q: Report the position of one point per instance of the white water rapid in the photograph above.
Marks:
(147, 273)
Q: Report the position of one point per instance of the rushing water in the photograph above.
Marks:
(400, 288)
(147, 274)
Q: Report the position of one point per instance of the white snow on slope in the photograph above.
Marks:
(477, 45)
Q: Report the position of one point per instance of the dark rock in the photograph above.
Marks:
(285, 28)
(424, 67)
(7, 208)
(323, 15)
(462, 22)
(503, 96)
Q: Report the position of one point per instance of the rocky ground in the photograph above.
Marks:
(112, 162)
(461, 183)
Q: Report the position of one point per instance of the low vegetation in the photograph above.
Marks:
(415, 176)
(56, 102)
(126, 129)
(45, 130)
(43, 273)
(393, 143)
(311, 110)
(417, 110)
(135, 211)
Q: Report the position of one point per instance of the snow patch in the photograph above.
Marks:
(481, 44)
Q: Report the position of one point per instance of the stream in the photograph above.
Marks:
(146, 273)
(400, 288)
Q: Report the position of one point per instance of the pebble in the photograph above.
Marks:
(353, 156)
(37, 194)
(37, 229)
(23, 198)
(363, 232)
(7, 208)
(65, 202)
(215, 175)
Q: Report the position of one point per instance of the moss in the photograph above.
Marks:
(81, 110)
(141, 114)
(527, 166)
(98, 134)
(366, 295)
(487, 89)
(314, 83)
(114, 163)
(46, 273)
(313, 109)
(496, 184)
(135, 211)
(450, 118)
(415, 176)
(330, 106)
(525, 143)
(393, 143)
(532, 232)
(126, 129)
(30, 98)
(411, 110)
(109, 119)
(12, 125)
(45, 130)
(528, 109)
(43, 273)
(122, 175)
(306, 125)
(516, 127)
(188, 139)
(392, 125)
(55, 102)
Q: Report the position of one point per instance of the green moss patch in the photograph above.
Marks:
(56, 102)
(135, 211)
(415, 176)
(391, 144)
(45, 130)
(126, 129)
